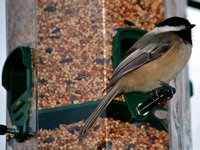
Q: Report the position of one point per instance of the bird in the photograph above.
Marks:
(151, 63)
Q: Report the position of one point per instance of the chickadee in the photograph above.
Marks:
(159, 55)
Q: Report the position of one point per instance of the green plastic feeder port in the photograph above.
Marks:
(122, 42)
(17, 80)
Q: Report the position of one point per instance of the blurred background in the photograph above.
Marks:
(194, 73)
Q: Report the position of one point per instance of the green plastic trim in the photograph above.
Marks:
(17, 80)
(133, 100)
(122, 42)
(191, 89)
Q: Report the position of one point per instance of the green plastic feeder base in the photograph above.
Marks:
(132, 101)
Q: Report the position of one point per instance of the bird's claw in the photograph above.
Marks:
(173, 90)
(157, 90)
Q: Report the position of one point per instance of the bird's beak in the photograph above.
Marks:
(190, 27)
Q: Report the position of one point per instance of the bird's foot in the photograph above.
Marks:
(157, 90)
(173, 90)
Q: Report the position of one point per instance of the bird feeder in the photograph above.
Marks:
(53, 90)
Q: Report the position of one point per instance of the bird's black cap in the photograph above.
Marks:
(174, 21)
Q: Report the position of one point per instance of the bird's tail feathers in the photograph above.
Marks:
(97, 112)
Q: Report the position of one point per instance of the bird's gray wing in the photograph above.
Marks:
(136, 58)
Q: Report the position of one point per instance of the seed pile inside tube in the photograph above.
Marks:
(106, 133)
